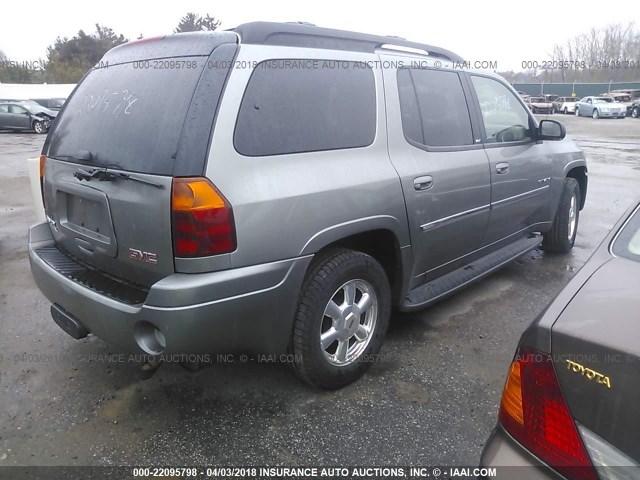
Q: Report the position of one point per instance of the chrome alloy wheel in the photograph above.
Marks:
(573, 214)
(348, 322)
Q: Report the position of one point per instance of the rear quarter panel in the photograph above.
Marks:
(290, 205)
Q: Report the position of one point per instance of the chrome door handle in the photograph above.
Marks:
(423, 183)
(502, 168)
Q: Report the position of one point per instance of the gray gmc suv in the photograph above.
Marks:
(280, 188)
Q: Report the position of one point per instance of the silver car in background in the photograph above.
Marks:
(600, 107)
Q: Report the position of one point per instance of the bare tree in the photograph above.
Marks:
(600, 55)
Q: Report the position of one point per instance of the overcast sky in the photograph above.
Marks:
(506, 32)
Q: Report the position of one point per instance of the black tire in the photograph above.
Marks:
(595, 114)
(326, 276)
(577, 112)
(39, 127)
(635, 113)
(557, 240)
(566, 110)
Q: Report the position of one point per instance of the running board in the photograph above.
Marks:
(444, 286)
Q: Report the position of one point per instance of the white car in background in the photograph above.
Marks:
(600, 107)
(565, 104)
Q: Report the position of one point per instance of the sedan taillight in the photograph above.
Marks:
(535, 414)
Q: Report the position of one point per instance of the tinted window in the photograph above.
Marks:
(4, 108)
(505, 118)
(628, 242)
(433, 108)
(128, 115)
(323, 106)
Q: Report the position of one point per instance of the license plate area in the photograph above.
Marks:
(84, 217)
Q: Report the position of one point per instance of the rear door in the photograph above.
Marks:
(142, 117)
(443, 171)
(520, 167)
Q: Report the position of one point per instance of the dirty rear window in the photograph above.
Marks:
(128, 116)
(628, 242)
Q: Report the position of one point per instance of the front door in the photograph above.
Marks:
(520, 166)
(20, 118)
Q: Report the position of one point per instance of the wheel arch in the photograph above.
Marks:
(581, 175)
(378, 239)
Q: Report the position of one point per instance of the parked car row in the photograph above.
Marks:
(613, 104)
(29, 115)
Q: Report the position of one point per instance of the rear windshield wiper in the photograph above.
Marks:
(103, 175)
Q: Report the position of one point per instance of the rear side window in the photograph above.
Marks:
(294, 106)
(627, 243)
(128, 115)
(434, 108)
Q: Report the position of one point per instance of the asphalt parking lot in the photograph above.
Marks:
(431, 399)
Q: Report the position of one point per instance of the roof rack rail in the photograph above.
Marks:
(305, 35)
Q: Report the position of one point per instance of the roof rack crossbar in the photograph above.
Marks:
(303, 35)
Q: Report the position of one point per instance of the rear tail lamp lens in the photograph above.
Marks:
(202, 219)
(535, 413)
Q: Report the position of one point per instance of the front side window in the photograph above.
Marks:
(505, 118)
(295, 106)
(434, 108)
(17, 109)
(4, 108)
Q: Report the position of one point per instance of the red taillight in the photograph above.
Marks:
(202, 219)
(534, 412)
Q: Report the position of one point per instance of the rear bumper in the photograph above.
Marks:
(244, 309)
(508, 456)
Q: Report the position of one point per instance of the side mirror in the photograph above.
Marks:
(551, 130)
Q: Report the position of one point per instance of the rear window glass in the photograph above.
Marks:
(294, 106)
(628, 242)
(128, 116)
(434, 108)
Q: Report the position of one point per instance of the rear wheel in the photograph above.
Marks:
(39, 127)
(342, 318)
(595, 113)
(577, 112)
(562, 236)
(566, 111)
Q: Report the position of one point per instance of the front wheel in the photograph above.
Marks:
(39, 127)
(562, 236)
(342, 318)
(566, 110)
(595, 113)
(635, 113)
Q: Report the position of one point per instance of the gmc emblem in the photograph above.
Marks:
(146, 257)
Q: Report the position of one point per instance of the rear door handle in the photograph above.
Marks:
(502, 168)
(423, 183)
